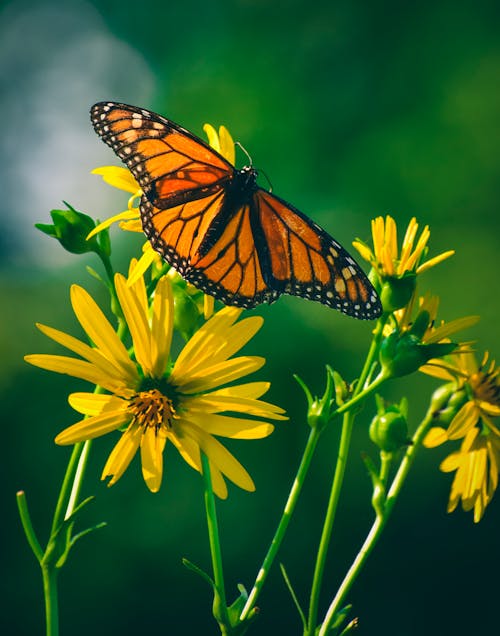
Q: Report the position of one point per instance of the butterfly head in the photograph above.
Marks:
(246, 179)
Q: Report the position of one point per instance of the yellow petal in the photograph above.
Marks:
(92, 427)
(95, 403)
(221, 374)
(134, 225)
(449, 328)
(226, 145)
(208, 306)
(152, 446)
(133, 305)
(127, 215)
(407, 247)
(188, 449)
(118, 177)
(218, 483)
(434, 261)
(463, 421)
(364, 251)
(107, 367)
(102, 334)
(76, 368)
(142, 265)
(122, 454)
(212, 403)
(213, 137)
(234, 427)
(204, 342)
(162, 323)
(222, 458)
(435, 437)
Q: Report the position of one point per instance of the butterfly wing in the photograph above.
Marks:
(171, 165)
(298, 257)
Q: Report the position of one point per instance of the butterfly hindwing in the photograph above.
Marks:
(169, 163)
(230, 269)
(301, 259)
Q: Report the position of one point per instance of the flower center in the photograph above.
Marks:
(485, 387)
(152, 409)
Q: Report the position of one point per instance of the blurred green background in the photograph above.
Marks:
(354, 109)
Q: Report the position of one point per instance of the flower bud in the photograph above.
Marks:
(446, 401)
(71, 229)
(397, 291)
(404, 353)
(389, 430)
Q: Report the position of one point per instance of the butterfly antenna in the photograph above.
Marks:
(237, 143)
(267, 179)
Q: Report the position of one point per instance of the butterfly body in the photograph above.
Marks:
(220, 229)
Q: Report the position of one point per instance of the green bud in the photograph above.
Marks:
(342, 392)
(397, 291)
(446, 401)
(389, 431)
(319, 409)
(71, 229)
(401, 354)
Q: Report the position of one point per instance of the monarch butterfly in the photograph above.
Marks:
(219, 229)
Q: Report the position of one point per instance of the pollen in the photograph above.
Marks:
(152, 409)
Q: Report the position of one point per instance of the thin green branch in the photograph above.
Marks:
(220, 604)
(279, 535)
(29, 531)
(378, 525)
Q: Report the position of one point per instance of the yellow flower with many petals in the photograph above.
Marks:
(154, 401)
(395, 271)
(386, 258)
(478, 461)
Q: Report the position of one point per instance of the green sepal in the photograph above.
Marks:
(197, 570)
(62, 539)
(71, 229)
(338, 621)
(294, 596)
(319, 410)
(401, 354)
(397, 291)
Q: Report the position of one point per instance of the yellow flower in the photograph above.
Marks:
(478, 460)
(154, 401)
(385, 257)
(394, 272)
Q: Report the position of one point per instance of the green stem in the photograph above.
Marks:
(49, 575)
(283, 524)
(220, 604)
(378, 525)
(360, 393)
(345, 439)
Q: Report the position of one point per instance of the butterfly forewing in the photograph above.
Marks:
(170, 165)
